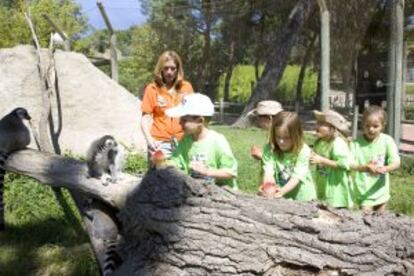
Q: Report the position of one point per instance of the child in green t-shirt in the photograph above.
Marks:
(202, 153)
(332, 158)
(286, 159)
(376, 154)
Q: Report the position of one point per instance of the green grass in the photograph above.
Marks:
(402, 181)
(409, 89)
(43, 238)
(243, 76)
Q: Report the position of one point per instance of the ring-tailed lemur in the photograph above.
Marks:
(105, 157)
(112, 258)
(14, 135)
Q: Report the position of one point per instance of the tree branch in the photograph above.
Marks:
(59, 171)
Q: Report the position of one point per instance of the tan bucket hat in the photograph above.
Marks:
(333, 118)
(267, 108)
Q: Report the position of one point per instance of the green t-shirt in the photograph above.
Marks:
(288, 165)
(214, 151)
(333, 185)
(372, 190)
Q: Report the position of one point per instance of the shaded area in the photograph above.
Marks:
(174, 225)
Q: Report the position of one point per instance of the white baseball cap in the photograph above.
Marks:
(193, 104)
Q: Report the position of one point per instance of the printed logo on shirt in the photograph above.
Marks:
(322, 170)
(161, 101)
(199, 157)
(284, 175)
(380, 160)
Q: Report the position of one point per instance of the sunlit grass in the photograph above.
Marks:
(44, 238)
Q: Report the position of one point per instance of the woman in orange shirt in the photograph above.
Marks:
(166, 91)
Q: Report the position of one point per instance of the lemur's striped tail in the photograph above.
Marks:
(112, 259)
(3, 157)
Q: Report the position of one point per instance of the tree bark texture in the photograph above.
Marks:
(277, 58)
(58, 171)
(174, 225)
(302, 72)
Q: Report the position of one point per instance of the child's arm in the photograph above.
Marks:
(388, 168)
(317, 159)
(268, 165)
(370, 168)
(290, 185)
(200, 168)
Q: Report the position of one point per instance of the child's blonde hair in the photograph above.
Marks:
(291, 123)
(162, 60)
(375, 110)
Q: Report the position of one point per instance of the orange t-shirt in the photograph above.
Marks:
(156, 100)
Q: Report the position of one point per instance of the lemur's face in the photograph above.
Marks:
(110, 143)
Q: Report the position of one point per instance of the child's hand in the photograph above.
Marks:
(372, 168)
(381, 170)
(199, 167)
(278, 194)
(154, 146)
(315, 159)
(268, 189)
(158, 158)
(256, 153)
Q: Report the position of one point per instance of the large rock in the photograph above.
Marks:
(87, 105)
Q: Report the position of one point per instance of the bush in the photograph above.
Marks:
(409, 112)
(243, 75)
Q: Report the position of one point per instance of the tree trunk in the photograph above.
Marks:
(278, 57)
(202, 79)
(302, 72)
(175, 225)
(229, 73)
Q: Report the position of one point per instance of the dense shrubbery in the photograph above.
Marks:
(243, 75)
(409, 112)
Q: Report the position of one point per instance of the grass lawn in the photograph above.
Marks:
(43, 238)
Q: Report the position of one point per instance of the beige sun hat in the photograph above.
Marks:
(267, 108)
(333, 118)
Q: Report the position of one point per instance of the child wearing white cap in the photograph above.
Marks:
(202, 153)
(332, 157)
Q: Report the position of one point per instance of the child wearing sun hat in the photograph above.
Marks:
(202, 153)
(332, 157)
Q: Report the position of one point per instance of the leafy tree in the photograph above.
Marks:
(14, 29)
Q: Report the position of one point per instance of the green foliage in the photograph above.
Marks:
(287, 86)
(240, 84)
(14, 29)
(409, 112)
(243, 75)
(409, 88)
(135, 163)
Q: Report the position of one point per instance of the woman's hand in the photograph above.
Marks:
(153, 146)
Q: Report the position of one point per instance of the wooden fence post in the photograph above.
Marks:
(221, 110)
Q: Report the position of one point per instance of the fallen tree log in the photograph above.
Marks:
(174, 225)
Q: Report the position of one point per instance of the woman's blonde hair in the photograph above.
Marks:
(291, 123)
(162, 60)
